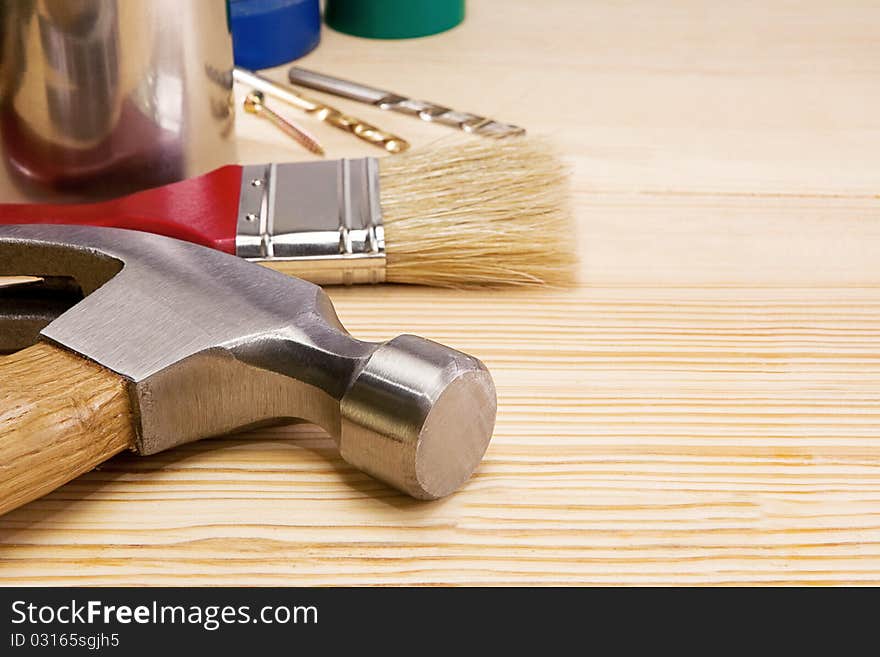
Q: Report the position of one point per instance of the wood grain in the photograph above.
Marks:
(703, 409)
(9, 281)
(60, 416)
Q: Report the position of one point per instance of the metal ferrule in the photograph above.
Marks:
(324, 216)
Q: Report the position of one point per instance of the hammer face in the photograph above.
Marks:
(418, 415)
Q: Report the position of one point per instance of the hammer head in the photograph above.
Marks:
(211, 344)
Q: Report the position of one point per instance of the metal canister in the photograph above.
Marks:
(100, 98)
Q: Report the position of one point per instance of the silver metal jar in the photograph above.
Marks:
(100, 98)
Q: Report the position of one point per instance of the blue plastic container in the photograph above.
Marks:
(268, 33)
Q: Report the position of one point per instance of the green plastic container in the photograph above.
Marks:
(393, 19)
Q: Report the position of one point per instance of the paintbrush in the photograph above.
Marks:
(478, 212)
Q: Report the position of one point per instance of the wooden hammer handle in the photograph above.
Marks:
(60, 416)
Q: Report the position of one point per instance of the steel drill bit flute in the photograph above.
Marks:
(426, 111)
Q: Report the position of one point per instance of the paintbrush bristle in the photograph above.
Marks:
(478, 212)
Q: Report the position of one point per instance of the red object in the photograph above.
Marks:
(201, 210)
(134, 156)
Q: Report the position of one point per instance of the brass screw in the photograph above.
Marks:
(253, 104)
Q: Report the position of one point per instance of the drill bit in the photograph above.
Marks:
(254, 104)
(426, 111)
(323, 112)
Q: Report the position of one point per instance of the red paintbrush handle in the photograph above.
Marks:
(202, 210)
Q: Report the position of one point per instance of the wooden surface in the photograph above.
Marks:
(60, 416)
(705, 408)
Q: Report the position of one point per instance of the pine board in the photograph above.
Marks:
(703, 409)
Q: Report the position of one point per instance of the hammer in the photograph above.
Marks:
(174, 342)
